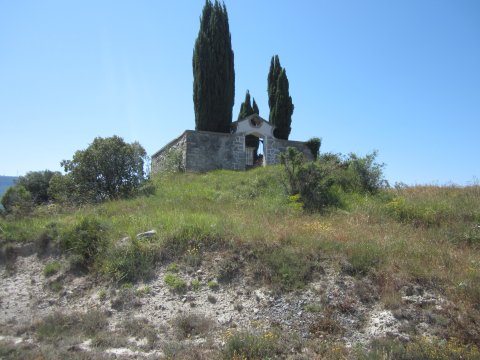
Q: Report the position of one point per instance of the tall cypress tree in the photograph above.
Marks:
(255, 107)
(213, 70)
(245, 108)
(279, 99)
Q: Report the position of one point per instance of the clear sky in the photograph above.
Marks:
(399, 76)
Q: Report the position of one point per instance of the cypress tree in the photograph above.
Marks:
(255, 107)
(213, 70)
(245, 107)
(279, 99)
(273, 74)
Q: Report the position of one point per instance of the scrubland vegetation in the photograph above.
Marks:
(284, 219)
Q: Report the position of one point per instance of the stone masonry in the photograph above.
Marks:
(201, 151)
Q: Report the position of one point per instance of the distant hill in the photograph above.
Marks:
(5, 183)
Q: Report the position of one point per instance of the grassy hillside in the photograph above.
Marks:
(5, 183)
(415, 235)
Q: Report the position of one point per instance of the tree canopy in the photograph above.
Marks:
(213, 70)
(246, 108)
(109, 168)
(279, 99)
(37, 182)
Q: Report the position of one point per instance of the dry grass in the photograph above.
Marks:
(426, 234)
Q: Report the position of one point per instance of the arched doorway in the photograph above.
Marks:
(254, 150)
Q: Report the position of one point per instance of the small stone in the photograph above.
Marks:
(147, 234)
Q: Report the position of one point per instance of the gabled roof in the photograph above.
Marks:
(253, 124)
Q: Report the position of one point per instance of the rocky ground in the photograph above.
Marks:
(155, 320)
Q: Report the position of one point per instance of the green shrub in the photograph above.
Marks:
(195, 284)
(17, 200)
(52, 268)
(471, 236)
(62, 189)
(364, 174)
(213, 285)
(312, 181)
(283, 268)
(87, 239)
(37, 183)
(188, 325)
(109, 168)
(364, 257)
(243, 345)
(175, 283)
(130, 263)
(55, 286)
(314, 145)
(143, 291)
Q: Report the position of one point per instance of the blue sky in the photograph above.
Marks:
(400, 76)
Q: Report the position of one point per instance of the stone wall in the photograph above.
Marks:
(210, 151)
(172, 157)
(275, 146)
(204, 151)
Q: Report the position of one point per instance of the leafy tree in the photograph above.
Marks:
(17, 199)
(62, 189)
(109, 168)
(37, 183)
(279, 99)
(213, 70)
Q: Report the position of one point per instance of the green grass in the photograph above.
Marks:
(175, 283)
(424, 234)
(52, 268)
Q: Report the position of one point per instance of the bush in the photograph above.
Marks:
(313, 181)
(188, 325)
(17, 200)
(37, 183)
(51, 268)
(283, 268)
(62, 189)
(244, 345)
(175, 283)
(314, 145)
(363, 174)
(86, 239)
(130, 263)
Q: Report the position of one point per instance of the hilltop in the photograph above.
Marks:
(226, 265)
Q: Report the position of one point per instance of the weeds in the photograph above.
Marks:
(175, 283)
(52, 268)
(242, 345)
(195, 284)
(283, 268)
(59, 326)
(213, 285)
(87, 239)
(188, 325)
